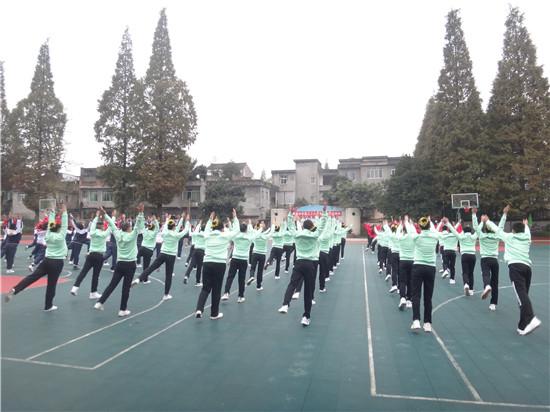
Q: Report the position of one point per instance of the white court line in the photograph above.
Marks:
(97, 330)
(29, 359)
(369, 333)
(481, 403)
(478, 293)
(135, 345)
(433, 399)
(61, 365)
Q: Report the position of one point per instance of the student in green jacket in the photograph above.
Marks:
(94, 260)
(467, 239)
(52, 265)
(288, 246)
(450, 243)
(276, 253)
(171, 236)
(259, 238)
(216, 243)
(488, 249)
(423, 272)
(197, 255)
(126, 239)
(239, 260)
(405, 233)
(306, 254)
(516, 255)
(148, 243)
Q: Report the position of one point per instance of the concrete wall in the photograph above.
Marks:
(307, 181)
(352, 217)
(257, 201)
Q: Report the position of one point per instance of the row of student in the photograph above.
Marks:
(412, 252)
(312, 245)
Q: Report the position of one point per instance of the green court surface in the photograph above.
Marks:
(357, 355)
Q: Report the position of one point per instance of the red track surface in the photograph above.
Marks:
(8, 282)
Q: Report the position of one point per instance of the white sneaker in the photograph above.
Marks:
(173, 274)
(99, 306)
(441, 270)
(240, 300)
(220, 315)
(393, 289)
(415, 327)
(277, 277)
(327, 279)
(471, 293)
(198, 314)
(9, 296)
(466, 290)
(296, 295)
(186, 264)
(286, 271)
(10, 271)
(55, 308)
(260, 288)
(199, 285)
(134, 282)
(486, 292)
(95, 295)
(139, 265)
(452, 281)
(427, 327)
(146, 282)
(388, 277)
(250, 280)
(445, 274)
(106, 264)
(409, 304)
(330, 273)
(535, 323)
(402, 303)
(313, 302)
(305, 322)
(492, 307)
(178, 258)
(322, 291)
(379, 270)
(167, 297)
(122, 313)
(225, 296)
(283, 309)
(31, 267)
(74, 290)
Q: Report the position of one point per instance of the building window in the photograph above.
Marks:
(93, 196)
(191, 195)
(107, 196)
(312, 178)
(374, 173)
(283, 179)
(392, 172)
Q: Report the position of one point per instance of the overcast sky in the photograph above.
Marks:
(272, 81)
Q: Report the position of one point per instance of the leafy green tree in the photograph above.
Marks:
(120, 126)
(170, 123)
(301, 202)
(200, 170)
(222, 197)
(39, 121)
(453, 125)
(230, 170)
(406, 191)
(517, 151)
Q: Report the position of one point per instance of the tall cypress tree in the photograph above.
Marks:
(12, 161)
(163, 164)
(119, 126)
(518, 114)
(425, 142)
(456, 121)
(39, 121)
